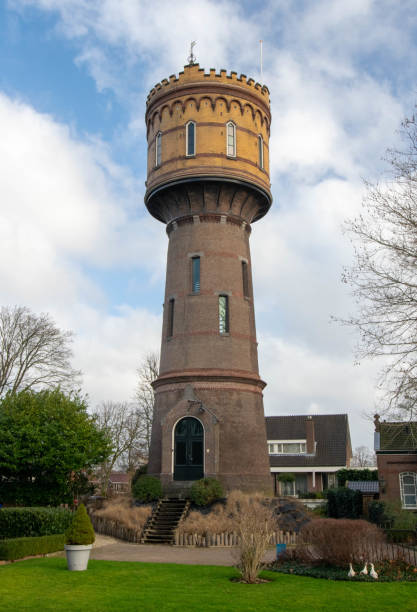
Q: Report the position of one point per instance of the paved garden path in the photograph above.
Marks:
(110, 549)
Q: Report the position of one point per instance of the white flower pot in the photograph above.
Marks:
(77, 556)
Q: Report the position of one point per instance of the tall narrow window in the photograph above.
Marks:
(245, 281)
(171, 307)
(158, 149)
(408, 489)
(223, 314)
(231, 139)
(190, 138)
(261, 151)
(195, 270)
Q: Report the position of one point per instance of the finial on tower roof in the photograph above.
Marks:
(191, 57)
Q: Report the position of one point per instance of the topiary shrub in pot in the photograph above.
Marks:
(79, 539)
(147, 489)
(206, 491)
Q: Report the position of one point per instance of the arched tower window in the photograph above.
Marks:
(231, 139)
(190, 138)
(223, 314)
(158, 149)
(408, 489)
(195, 274)
(171, 310)
(261, 151)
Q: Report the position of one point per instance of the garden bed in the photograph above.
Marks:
(388, 571)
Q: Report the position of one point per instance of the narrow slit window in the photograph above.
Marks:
(171, 308)
(195, 270)
(223, 314)
(231, 139)
(245, 280)
(190, 138)
(158, 149)
(261, 151)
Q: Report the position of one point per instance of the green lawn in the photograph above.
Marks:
(46, 584)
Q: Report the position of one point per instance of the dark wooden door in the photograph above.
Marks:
(188, 450)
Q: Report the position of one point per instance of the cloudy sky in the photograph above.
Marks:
(75, 238)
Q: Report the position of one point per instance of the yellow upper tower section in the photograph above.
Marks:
(208, 127)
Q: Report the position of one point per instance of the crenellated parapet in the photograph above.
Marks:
(230, 117)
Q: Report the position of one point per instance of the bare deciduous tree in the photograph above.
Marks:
(384, 275)
(363, 457)
(144, 395)
(34, 353)
(256, 524)
(122, 421)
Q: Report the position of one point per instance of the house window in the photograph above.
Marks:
(171, 308)
(158, 149)
(223, 314)
(231, 139)
(287, 448)
(245, 279)
(261, 151)
(190, 132)
(195, 272)
(408, 488)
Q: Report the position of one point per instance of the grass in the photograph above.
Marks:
(46, 584)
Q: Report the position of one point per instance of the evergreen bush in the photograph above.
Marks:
(81, 530)
(206, 491)
(141, 471)
(147, 489)
(18, 548)
(344, 503)
(32, 522)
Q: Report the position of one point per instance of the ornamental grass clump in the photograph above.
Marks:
(121, 511)
(80, 532)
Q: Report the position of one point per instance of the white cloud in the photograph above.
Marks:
(341, 76)
(60, 219)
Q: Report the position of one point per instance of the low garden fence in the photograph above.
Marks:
(229, 539)
(389, 551)
(105, 526)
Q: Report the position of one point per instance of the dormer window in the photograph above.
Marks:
(261, 151)
(287, 447)
(231, 139)
(190, 138)
(158, 149)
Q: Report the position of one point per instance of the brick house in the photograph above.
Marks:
(312, 448)
(396, 453)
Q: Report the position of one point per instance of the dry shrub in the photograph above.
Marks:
(338, 541)
(222, 518)
(120, 510)
(256, 523)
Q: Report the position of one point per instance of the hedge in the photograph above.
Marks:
(354, 475)
(33, 522)
(344, 503)
(18, 548)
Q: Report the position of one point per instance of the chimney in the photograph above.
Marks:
(311, 440)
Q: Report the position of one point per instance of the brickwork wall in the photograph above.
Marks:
(389, 468)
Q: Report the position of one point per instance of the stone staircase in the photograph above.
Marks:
(161, 527)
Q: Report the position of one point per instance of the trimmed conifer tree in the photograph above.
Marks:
(81, 531)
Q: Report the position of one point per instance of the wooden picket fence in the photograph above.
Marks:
(228, 539)
(111, 528)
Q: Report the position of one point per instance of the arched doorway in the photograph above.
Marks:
(188, 449)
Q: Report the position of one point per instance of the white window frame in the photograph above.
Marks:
(275, 447)
(405, 493)
(261, 151)
(231, 151)
(158, 149)
(186, 139)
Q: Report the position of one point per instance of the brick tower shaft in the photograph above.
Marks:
(208, 181)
